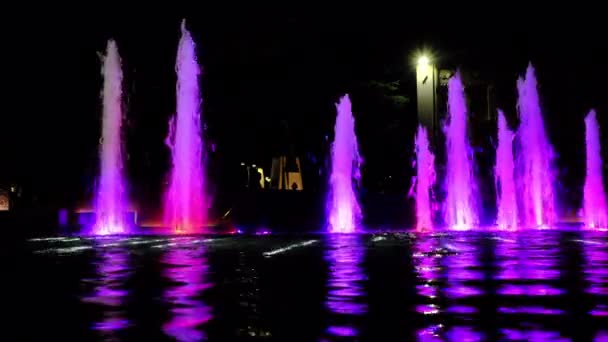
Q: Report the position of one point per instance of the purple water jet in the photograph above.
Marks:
(506, 217)
(343, 208)
(425, 179)
(110, 205)
(184, 207)
(460, 185)
(535, 158)
(594, 202)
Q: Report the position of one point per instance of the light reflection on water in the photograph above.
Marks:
(531, 285)
(462, 278)
(448, 275)
(345, 296)
(595, 249)
(528, 280)
(186, 267)
(528, 265)
(462, 269)
(427, 259)
(426, 263)
(110, 292)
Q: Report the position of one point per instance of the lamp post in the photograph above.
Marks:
(426, 91)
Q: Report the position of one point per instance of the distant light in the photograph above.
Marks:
(253, 165)
(287, 248)
(242, 164)
(423, 60)
(267, 179)
(263, 231)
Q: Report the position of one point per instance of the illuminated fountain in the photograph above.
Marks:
(425, 179)
(185, 203)
(343, 209)
(503, 172)
(109, 202)
(460, 202)
(535, 157)
(594, 202)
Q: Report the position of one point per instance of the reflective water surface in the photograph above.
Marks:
(526, 286)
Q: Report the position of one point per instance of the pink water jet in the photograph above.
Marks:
(594, 202)
(535, 158)
(506, 218)
(460, 185)
(110, 204)
(342, 206)
(424, 181)
(185, 202)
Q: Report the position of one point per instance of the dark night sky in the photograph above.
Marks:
(263, 66)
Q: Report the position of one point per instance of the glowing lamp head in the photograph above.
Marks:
(423, 60)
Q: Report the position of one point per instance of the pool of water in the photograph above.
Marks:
(530, 286)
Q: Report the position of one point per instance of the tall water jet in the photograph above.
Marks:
(342, 205)
(506, 217)
(184, 207)
(425, 179)
(460, 203)
(110, 205)
(594, 202)
(535, 158)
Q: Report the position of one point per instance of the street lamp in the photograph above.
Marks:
(426, 91)
(423, 60)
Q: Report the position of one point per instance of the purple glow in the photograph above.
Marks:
(535, 158)
(425, 179)
(462, 309)
(110, 203)
(427, 290)
(427, 309)
(601, 336)
(345, 289)
(503, 171)
(431, 334)
(425, 261)
(599, 311)
(462, 291)
(462, 270)
(460, 185)
(594, 203)
(464, 334)
(185, 203)
(427, 273)
(528, 268)
(343, 331)
(596, 271)
(110, 292)
(342, 205)
(530, 310)
(263, 231)
(529, 290)
(533, 335)
(187, 269)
